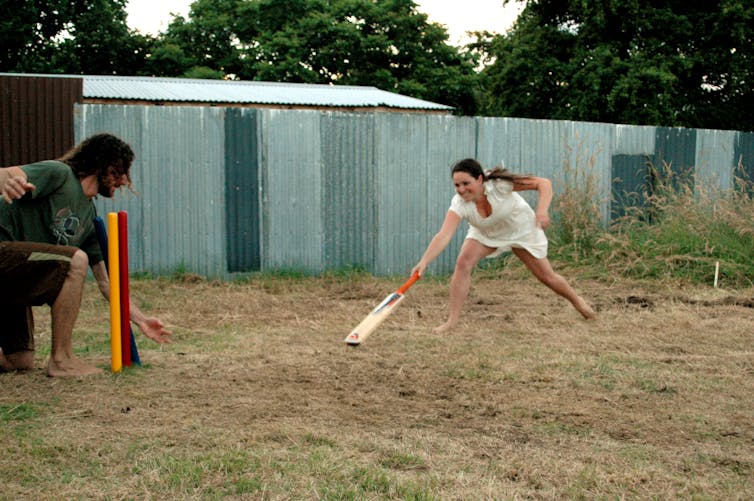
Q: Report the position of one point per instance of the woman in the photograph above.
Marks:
(499, 220)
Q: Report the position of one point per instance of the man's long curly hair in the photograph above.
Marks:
(100, 154)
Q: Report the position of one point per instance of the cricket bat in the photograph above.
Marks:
(379, 314)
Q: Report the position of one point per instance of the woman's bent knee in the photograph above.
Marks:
(464, 265)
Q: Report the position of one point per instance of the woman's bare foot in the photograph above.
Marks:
(586, 311)
(70, 367)
(444, 328)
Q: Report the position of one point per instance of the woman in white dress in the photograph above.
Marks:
(499, 220)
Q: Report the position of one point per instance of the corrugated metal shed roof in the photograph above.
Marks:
(247, 92)
(187, 90)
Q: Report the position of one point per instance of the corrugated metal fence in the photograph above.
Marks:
(226, 190)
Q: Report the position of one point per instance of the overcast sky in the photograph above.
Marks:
(458, 16)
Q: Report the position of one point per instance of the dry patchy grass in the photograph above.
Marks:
(258, 397)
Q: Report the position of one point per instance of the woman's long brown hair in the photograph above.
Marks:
(474, 169)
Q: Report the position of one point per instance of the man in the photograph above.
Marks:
(47, 240)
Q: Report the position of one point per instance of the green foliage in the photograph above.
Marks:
(530, 68)
(53, 36)
(625, 61)
(167, 59)
(207, 39)
(621, 61)
(388, 44)
(28, 33)
(204, 72)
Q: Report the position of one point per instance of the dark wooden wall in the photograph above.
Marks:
(36, 117)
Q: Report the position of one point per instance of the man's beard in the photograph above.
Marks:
(105, 185)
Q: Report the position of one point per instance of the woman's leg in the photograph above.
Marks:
(542, 269)
(471, 253)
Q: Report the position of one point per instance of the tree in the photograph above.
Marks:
(386, 44)
(27, 33)
(666, 62)
(100, 41)
(208, 39)
(61, 36)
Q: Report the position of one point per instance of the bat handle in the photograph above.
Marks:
(403, 288)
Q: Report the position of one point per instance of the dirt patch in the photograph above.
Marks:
(258, 397)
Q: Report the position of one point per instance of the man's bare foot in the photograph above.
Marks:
(19, 361)
(71, 367)
(4, 364)
(586, 311)
(444, 328)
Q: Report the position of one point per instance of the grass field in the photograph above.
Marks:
(258, 397)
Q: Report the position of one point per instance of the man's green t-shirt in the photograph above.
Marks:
(56, 212)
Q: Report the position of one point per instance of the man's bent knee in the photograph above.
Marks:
(79, 262)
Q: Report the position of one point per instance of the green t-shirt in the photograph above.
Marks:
(56, 212)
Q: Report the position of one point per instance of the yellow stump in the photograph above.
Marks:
(116, 358)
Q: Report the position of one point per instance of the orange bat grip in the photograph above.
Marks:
(403, 288)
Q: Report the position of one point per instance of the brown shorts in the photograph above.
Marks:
(31, 274)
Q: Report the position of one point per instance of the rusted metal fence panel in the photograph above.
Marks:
(36, 117)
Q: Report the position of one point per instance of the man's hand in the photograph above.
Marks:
(14, 184)
(154, 330)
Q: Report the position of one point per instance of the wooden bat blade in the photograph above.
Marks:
(379, 314)
(374, 319)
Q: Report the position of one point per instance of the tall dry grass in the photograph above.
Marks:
(681, 228)
(579, 222)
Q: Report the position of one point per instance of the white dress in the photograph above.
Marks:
(510, 224)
